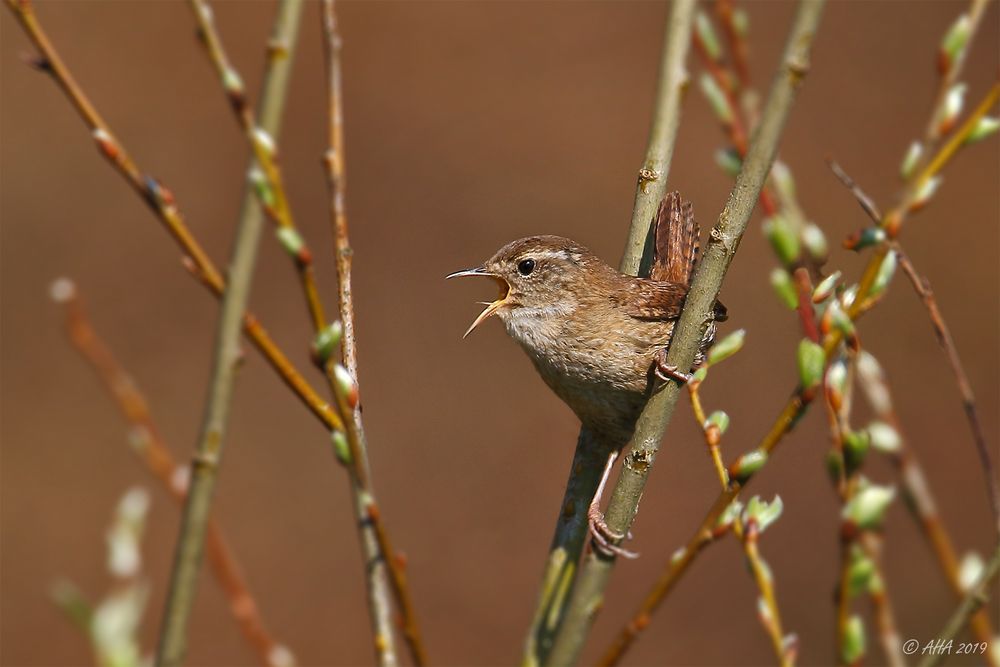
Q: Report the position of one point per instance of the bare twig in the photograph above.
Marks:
(688, 332)
(155, 454)
(376, 540)
(226, 360)
(923, 289)
(590, 455)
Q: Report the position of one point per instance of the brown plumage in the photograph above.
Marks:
(591, 332)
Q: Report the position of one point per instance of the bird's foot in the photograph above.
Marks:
(606, 540)
(667, 372)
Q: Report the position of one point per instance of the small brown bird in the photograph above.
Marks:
(596, 336)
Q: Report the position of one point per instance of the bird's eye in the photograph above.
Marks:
(526, 266)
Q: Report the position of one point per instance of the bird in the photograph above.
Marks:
(598, 337)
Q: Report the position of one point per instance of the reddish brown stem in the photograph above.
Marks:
(807, 314)
(923, 289)
(737, 45)
(161, 464)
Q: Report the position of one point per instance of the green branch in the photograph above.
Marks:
(191, 541)
(588, 461)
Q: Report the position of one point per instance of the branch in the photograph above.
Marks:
(226, 360)
(590, 455)
(376, 547)
(148, 443)
(688, 332)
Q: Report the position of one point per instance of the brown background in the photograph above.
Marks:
(468, 124)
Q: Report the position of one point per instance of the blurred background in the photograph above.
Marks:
(468, 125)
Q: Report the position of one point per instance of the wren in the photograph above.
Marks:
(597, 337)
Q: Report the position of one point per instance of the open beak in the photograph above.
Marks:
(490, 307)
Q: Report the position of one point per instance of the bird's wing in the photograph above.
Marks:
(676, 246)
(650, 299)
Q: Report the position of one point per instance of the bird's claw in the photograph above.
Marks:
(667, 372)
(605, 540)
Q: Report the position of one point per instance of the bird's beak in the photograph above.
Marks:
(490, 307)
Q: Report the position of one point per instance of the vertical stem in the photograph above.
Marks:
(191, 542)
(652, 184)
(588, 461)
(724, 241)
(383, 568)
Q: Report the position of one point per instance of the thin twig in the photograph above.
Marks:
(591, 454)
(923, 289)
(735, 125)
(974, 599)
(376, 541)
(885, 616)
(148, 443)
(737, 45)
(770, 616)
(161, 202)
(226, 361)
(712, 433)
(689, 330)
(846, 483)
(271, 193)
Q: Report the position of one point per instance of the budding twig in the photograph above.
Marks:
(271, 190)
(376, 541)
(747, 528)
(148, 443)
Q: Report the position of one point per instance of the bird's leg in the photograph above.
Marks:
(666, 371)
(604, 537)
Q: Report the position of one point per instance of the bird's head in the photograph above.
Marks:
(536, 276)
